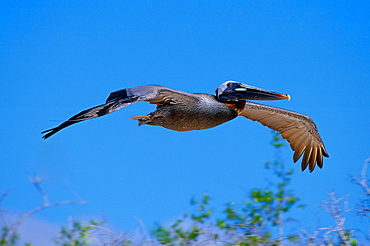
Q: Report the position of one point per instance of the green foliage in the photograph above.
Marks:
(78, 235)
(251, 225)
(4, 240)
(91, 234)
(188, 229)
(9, 239)
(265, 208)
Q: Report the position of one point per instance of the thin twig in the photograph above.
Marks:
(36, 181)
(332, 206)
(15, 225)
(363, 182)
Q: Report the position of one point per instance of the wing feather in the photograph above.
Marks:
(319, 159)
(306, 158)
(298, 152)
(313, 159)
(154, 94)
(298, 129)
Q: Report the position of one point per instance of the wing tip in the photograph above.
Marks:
(325, 153)
(49, 132)
(312, 160)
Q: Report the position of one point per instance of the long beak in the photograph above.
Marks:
(245, 92)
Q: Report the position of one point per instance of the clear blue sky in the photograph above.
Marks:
(60, 57)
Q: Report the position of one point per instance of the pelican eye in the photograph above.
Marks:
(230, 84)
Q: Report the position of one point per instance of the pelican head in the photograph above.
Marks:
(234, 91)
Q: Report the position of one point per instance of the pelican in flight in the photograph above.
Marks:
(181, 111)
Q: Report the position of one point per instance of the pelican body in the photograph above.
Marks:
(181, 111)
(205, 112)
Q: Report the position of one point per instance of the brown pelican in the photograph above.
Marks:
(181, 111)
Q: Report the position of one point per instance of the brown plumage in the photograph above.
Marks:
(181, 111)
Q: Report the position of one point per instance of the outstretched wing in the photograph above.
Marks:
(298, 129)
(155, 94)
